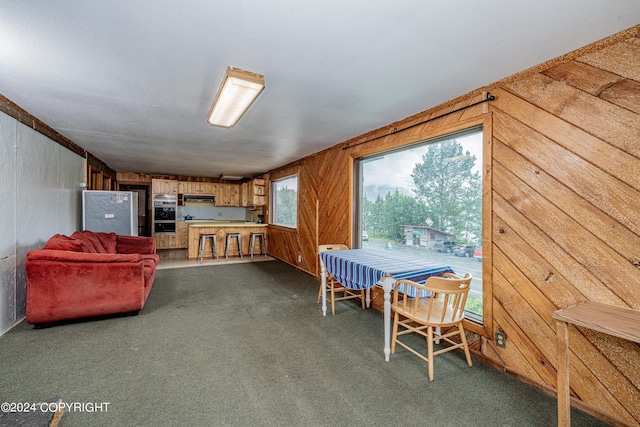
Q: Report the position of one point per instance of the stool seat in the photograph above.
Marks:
(214, 245)
(252, 243)
(227, 245)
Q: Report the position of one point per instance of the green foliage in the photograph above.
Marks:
(286, 208)
(451, 193)
(474, 305)
(448, 197)
(383, 216)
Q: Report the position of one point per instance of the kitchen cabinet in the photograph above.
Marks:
(258, 190)
(253, 193)
(164, 186)
(182, 239)
(228, 195)
(186, 187)
(173, 240)
(244, 194)
(165, 241)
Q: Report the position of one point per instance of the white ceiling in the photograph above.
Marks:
(132, 81)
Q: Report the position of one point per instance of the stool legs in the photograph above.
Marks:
(228, 244)
(252, 243)
(214, 246)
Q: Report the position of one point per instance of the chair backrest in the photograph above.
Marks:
(440, 301)
(331, 247)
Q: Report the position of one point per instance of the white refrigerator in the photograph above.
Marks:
(110, 211)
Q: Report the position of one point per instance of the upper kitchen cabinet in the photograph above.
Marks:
(258, 189)
(186, 187)
(228, 195)
(253, 193)
(164, 186)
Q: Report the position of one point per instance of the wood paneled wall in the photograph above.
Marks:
(564, 221)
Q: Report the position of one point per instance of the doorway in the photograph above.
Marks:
(144, 212)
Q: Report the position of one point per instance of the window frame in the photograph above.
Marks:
(486, 123)
(274, 194)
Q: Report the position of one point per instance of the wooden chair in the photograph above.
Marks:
(438, 304)
(334, 287)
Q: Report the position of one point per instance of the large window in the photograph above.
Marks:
(426, 200)
(284, 202)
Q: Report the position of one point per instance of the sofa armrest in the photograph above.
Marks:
(71, 256)
(135, 245)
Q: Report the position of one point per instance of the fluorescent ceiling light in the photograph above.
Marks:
(237, 92)
(235, 177)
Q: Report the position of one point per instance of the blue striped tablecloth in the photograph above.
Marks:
(364, 268)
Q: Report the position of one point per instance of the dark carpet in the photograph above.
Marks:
(246, 345)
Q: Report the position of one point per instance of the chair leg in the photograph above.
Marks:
(319, 293)
(362, 298)
(465, 346)
(430, 351)
(394, 336)
(333, 300)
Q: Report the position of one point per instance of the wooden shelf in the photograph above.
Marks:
(259, 192)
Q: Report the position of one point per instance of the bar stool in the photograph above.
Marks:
(214, 245)
(228, 244)
(263, 246)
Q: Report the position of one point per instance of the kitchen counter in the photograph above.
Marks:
(220, 228)
(198, 223)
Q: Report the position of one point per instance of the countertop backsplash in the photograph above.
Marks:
(211, 212)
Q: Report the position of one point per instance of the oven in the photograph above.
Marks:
(165, 213)
(164, 227)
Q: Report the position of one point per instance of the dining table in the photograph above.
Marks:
(361, 269)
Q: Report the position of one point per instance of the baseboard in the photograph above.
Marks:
(575, 402)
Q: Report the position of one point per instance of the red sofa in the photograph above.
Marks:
(89, 274)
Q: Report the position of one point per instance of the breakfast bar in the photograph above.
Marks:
(221, 229)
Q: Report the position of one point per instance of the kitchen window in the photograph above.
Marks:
(284, 202)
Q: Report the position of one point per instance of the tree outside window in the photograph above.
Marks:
(284, 208)
(434, 189)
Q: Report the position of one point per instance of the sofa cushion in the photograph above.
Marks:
(135, 244)
(108, 241)
(63, 243)
(91, 242)
(87, 242)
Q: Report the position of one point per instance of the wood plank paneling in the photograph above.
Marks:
(621, 58)
(617, 126)
(611, 160)
(563, 143)
(590, 79)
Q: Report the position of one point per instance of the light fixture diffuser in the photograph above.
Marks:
(231, 177)
(237, 92)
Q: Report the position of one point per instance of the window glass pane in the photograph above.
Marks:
(426, 200)
(285, 201)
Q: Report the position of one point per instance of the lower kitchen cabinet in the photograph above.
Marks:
(176, 240)
(182, 240)
(165, 240)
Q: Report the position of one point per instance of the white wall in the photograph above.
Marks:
(40, 196)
